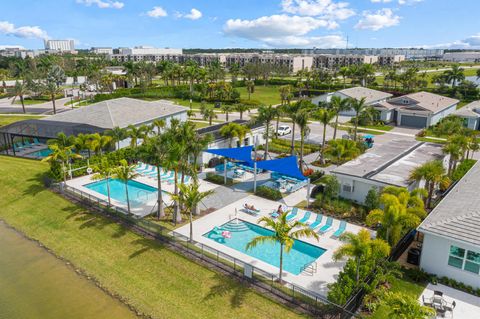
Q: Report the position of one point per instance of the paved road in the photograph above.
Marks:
(46, 108)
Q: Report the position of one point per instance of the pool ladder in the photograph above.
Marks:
(310, 268)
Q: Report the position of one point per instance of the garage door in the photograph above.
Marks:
(413, 121)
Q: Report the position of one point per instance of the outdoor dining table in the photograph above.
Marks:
(438, 303)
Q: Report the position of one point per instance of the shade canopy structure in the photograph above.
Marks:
(286, 166)
(243, 154)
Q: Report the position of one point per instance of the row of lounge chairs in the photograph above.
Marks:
(150, 171)
(318, 222)
(18, 146)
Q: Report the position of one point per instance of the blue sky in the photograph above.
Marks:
(242, 23)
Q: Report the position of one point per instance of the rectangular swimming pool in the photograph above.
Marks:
(41, 153)
(243, 232)
(138, 193)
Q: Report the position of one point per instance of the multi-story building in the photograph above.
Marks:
(60, 45)
(17, 52)
(410, 54)
(388, 60)
(331, 61)
(102, 50)
(292, 62)
(462, 56)
(145, 50)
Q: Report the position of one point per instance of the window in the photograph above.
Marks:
(347, 188)
(464, 259)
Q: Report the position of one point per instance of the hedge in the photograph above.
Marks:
(268, 193)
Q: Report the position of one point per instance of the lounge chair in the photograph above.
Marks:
(341, 229)
(145, 168)
(293, 214)
(250, 211)
(27, 143)
(317, 222)
(18, 146)
(168, 177)
(427, 301)
(36, 141)
(148, 171)
(187, 179)
(305, 217)
(327, 226)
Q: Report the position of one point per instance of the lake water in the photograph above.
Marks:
(34, 284)
(474, 79)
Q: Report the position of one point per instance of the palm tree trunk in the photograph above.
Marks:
(267, 136)
(176, 214)
(191, 225)
(160, 213)
(292, 146)
(281, 264)
(302, 137)
(276, 126)
(23, 104)
(54, 106)
(431, 188)
(356, 128)
(108, 191)
(128, 200)
(334, 129)
(322, 150)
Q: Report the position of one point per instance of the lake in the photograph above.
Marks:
(36, 284)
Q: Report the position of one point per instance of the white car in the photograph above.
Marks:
(284, 130)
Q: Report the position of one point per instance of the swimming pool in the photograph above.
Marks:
(243, 232)
(41, 153)
(138, 193)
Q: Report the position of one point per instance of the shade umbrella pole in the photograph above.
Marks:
(308, 192)
(255, 177)
(225, 171)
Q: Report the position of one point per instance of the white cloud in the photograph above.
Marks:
(193, 15)
(471, 42)
(22, 32)
(383, 1)
(377, 20)
(326, 9)
(157, 12)
(323, 42)
(409, 2)
(103, 4)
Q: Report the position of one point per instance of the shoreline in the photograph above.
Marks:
(80, 272)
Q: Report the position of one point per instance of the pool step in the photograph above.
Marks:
(233, 227)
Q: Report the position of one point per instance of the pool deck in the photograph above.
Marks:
(139, 211)
(327, 269)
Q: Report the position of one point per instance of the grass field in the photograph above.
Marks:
(9, 119)
(30, 101)
(154, 279)
(403, 286)
(264, 94)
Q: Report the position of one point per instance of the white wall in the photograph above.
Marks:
(361, 187)
(434, 259)
(440, 115)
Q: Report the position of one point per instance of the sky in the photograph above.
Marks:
(242, 23)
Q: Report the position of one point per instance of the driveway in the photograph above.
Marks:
(46, 108)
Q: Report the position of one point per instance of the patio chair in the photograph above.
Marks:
(27, 143)
(438, 293)
(341, 229)
(325, 228)
(18, 146)
(293, 214)
(36, 141)
(250, 211)
(449, 308)
(317, 222)
(305, 217)
(145, 168)
(427, 301)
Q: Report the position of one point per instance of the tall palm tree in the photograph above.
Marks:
(284, 233)
(265, 115)
(135, 133)
(401, 210)
(285, 94)
(324, 116)
(359, 106)
(118, 134)
(241, 108)
(291, 110)
(361, 247)
(195, 147)
(338, 105)
(433, 173)
(159, 125)
(62, 154)
(55, 77)
(208, 113)
(190, 197)
(103, 170)
(455, 75)
(230, 131)
(302, 122)
(20, 90)
(250, 87)
(344, 72)
(227, 108)
(125, 172)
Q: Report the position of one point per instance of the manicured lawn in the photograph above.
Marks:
(264, 94)
(30, 101)
(430, 140)
(200, 124)
(399, 285)
(156, 280)
(9, 119)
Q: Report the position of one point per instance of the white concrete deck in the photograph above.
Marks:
(327, 269)
(468, 306)
(138, 210)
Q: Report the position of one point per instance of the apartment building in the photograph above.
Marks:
(292, 62)
(60, 45)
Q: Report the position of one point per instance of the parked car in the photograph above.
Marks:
(284, 130)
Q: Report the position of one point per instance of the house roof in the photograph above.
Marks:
(362, 92)
(120, 112)
(457, 216)
(429, 101)
(391, 163)
(386, 105)
(469, 110)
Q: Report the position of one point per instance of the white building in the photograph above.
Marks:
(384, 165)
(60, 45)
(102, 50)
(419, 110)
(371, 97)
(462, 57)
(451, 233)
(470, 114)
(146, 50)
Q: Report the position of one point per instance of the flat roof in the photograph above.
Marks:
(392, 162)
(120, 112)
(457, 216)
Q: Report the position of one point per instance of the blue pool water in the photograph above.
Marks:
(138, 193)
(41, 153)
(243, 232)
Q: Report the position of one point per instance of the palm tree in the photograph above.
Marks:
(51, 89)
(118, 134)
(302, 121)
(338, 105)
(401, 210)
(403, 306)
(241, 108)
(358, 106)
(227, 108)
(190, 197)
(104, 171)
(291, 110)
(135, 133)
(20, 90)
(250, 87)
(55, 77)
(62, 154)
(125, 172)
(98, 143)
(433, 173)
(324, 116)
(284, 233)
(344, 72)
(455, 75)
(342, 150)
(265, 115)
(158, 124)
(82, 143)
(208, 113)
(230, 131)
(285, 94)
(361, 247)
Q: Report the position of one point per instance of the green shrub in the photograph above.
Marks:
(218, 179)
(462, 169)
(268, 193)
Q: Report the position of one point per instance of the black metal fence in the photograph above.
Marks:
(303, 299)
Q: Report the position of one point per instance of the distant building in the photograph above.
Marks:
(17, 52)
(145, 50)
(291, 62)
(462, 57)
(410, 54)
(101, 50)
(335, 61)
(60, 45)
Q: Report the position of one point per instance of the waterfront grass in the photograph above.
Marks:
(9, 119)
(154, 279)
